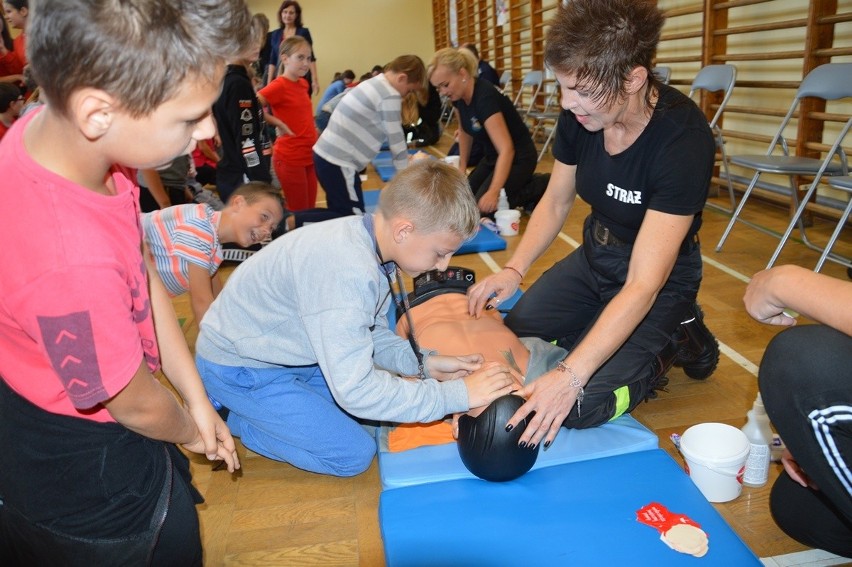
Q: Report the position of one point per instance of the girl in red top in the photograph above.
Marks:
(17, 12)
(11, 67)
(292, 114)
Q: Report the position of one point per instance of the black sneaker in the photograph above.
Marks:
(698, 353)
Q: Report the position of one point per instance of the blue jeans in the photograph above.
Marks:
(288, 414)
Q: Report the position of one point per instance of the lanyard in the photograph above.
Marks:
(401, 303)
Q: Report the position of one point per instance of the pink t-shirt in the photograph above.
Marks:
(290, 103)
(75, 315)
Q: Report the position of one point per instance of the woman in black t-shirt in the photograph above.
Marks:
(641, 154)
(490, 118)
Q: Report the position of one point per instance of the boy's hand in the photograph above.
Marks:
(214, 439)
(489, 383)
(443, 367)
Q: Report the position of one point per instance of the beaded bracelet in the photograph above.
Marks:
(574, 383)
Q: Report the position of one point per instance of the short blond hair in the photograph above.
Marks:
(434, 195)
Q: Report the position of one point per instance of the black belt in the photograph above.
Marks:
(603, 235)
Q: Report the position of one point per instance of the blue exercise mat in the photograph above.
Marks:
(383, 164)
(436, 463)
(484, 241)
(580, 513)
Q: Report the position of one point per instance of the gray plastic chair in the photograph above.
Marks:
(548, 114)
(831, 81)
(663, 74)
(532, 85)
(843, 183)
(506, 81)
(715, 78)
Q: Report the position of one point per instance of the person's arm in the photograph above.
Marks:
(465, 144)
(155, 186)
(544, 224)
(822, 298)
(498, 133)
(273, 120)
(552, 396)
(201, 291)
(146, 407)
(390, 113)
(208, 152)
(179, 368)
(315, 86)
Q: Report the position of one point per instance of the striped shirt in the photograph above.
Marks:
(179, 236)
(366, 117)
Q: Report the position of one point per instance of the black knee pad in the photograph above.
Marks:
(488, 450)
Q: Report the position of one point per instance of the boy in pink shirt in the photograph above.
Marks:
(91, 474)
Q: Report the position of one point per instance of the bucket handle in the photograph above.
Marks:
(713, 468)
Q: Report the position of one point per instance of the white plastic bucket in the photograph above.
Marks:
(508, 222)
(715, 455)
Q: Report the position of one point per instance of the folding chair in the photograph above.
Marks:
(830, 81)
(843, 183)
(506, 81)
(531, 83)
(714, 78)
(549, 113)
(447, 111)
(663, 74)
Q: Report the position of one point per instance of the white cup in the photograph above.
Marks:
(508, 222)
(452, 160)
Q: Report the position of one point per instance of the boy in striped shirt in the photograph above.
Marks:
(185, 241)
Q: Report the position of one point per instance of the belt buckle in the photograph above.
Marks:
(601, 233)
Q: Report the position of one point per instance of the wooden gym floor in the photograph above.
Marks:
(271, 513)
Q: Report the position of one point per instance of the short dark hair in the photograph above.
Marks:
(348, 74)
(472, 48)
(602, 41)
(140, 52)
(9, 93)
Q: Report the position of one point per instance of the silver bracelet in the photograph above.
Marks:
(574, 383)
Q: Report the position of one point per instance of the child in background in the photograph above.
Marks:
(17, 13)
(11, 67)
(164, 186)
(246, 149)
(185, 242)
(205, 158)
(11, 103)
(296, 343)
(337, 86)
(365, 118)
(287, 96)
(90, 471)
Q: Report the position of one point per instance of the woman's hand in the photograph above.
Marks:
(214, 439)
(488, 201)
(497, 288)
(443, 367)
(551, 398)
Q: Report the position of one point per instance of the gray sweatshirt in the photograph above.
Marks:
(318, 296)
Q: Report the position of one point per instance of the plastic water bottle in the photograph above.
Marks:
(760, 437)
(503, 201)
